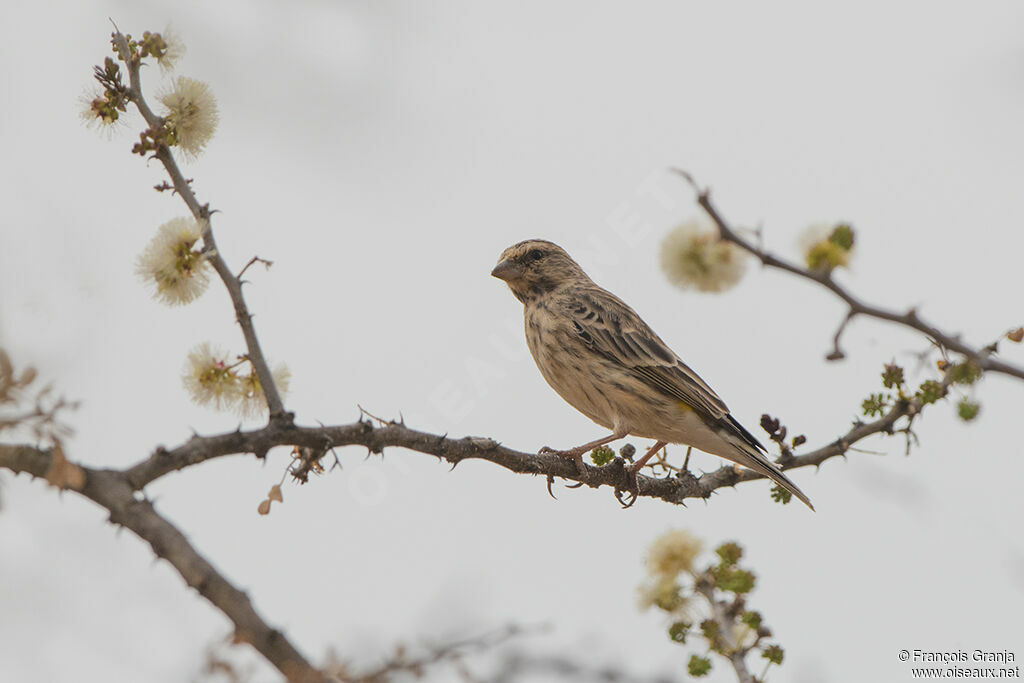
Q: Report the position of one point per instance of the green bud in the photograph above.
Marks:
(709, 629)
(781, 495)
(698, 666)
(875, 404)
(773, 654)
(892, 376)
(733, 579)
(677, 632)
(967, 372)
(751, 619)
(842, 236)
(826, 256)
(729, 552)
(967, 409)
(602, 455)
(930, 392)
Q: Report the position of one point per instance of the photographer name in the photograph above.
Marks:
(1000, 656)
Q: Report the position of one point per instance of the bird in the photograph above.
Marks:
(600, 356)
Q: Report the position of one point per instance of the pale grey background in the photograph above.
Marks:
(383, 154)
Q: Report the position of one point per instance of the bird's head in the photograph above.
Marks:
(534, 267)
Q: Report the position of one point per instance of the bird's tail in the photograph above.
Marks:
(749, 453)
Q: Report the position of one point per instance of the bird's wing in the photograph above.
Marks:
(611, 328)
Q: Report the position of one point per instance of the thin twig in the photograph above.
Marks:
(736, 655)
(911, 319)
(252, 261)
(202, 213)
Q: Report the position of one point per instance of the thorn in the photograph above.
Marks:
(551, 480)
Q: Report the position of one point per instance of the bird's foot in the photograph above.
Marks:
(628, 497)
(574, 454)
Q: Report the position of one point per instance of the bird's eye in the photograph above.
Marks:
(535, 254)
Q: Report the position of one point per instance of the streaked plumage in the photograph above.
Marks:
(602, 358)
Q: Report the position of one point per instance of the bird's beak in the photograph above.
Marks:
(507, 270)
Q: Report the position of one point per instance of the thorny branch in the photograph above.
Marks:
(403, 662)
(980, 355)
(375, 438)
(202, 213)
(519, 666)
(112, 490)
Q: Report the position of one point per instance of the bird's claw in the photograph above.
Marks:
(633, 491)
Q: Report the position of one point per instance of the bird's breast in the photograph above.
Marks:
(569, 367)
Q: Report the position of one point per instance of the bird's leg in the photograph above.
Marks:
(576, 454)
(634, 467)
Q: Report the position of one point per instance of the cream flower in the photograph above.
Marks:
(693, 256)
(209, 377)
(663, 593)
(743, 636)
(98, 109)
(173, 264)
(252, 402)
(191, 114)
(827, 246)
(171, 50)
(673, 553)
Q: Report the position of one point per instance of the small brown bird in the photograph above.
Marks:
(602, 358)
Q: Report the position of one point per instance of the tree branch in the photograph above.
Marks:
(202, 213)
(112, 490)
(736, 655)
(982, 356)
(674, 489)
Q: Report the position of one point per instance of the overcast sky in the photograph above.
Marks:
(383, 154)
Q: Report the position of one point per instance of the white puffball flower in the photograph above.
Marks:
(827, 246)
(173, 50)
(252, 402)
(665, 594)
(173, 264)
(192, 114)
(209, 377)
(98, 112)
(693, 257)
(673, 553)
